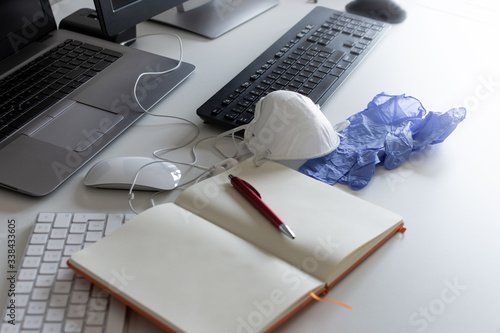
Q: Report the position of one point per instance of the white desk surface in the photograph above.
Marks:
(442, 275)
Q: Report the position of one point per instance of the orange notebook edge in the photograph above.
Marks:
(400, 228)
(123, 300)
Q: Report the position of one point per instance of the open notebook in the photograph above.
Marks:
(210, 262)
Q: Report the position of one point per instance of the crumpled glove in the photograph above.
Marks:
(389, 131)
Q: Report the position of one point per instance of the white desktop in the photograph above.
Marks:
(442, 275)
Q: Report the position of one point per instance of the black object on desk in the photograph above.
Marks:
(86, 21)
(382, 10)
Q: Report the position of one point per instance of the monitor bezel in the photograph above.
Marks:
(113, 22)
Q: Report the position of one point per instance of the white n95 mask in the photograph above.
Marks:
(288, 126)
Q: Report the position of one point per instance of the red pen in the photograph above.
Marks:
(253, 196)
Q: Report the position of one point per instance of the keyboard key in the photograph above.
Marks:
(85, 217)
(52, 327)
(114, 221)
(40, 294)
(44, 280)
(48, 268)
(78, 228)
(22, 301)
(93, 236)
(62, 220)
(32, 322)
(59, 233)
(95, 318)
(46, 217)
(27, 274)
(82, 284)
(64, 262)
(95, 225)
(24, 287)
(36, 308)
(62, 287)
(75, 239)
(79, 297)
(112, 53)
(98, 304)
(31, 262)
(56, 314)
(42, 228)
(73, 325)
(76, 311)
(65, 274)
(59, 300)
(91, 47)
(52, 256)
(70, 249)
(55, 244)
(39, 239)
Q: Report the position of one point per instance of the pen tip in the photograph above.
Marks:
(287, 231)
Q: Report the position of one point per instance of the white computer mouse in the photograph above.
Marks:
(119, 173)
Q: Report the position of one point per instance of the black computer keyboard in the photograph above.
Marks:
(38, 85)
(313, 58)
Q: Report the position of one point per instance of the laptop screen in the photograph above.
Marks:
(21, 22)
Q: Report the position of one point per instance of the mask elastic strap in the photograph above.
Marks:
(232, 132)
(341, 126)
(260, 158)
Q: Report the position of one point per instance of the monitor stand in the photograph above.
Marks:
(215, 17)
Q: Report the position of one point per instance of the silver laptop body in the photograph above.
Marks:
(36, 158)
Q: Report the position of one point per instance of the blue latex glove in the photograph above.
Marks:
(387, 132)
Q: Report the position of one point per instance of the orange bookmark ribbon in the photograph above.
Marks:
(316, 297)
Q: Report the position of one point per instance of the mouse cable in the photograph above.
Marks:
(147, 111)
(163, 160)
(194, 155)
(206, 171)
(179, 63)
(130, 192)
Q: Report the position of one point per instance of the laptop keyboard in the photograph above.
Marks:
(49, 296)
(312, 58)
(41, 83)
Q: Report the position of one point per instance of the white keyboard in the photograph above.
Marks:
(49, 296)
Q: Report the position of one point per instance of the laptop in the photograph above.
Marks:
(83, 108)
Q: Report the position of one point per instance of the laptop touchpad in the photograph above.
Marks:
(77, 127)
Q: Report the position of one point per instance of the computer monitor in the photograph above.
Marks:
(210, 18)
(117, 16)
(213, 18)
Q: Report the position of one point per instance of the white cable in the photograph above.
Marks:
(206, 171)
(179, 63)
(130, 192)
(157, 153)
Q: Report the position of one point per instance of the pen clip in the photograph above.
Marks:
(251, 188)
